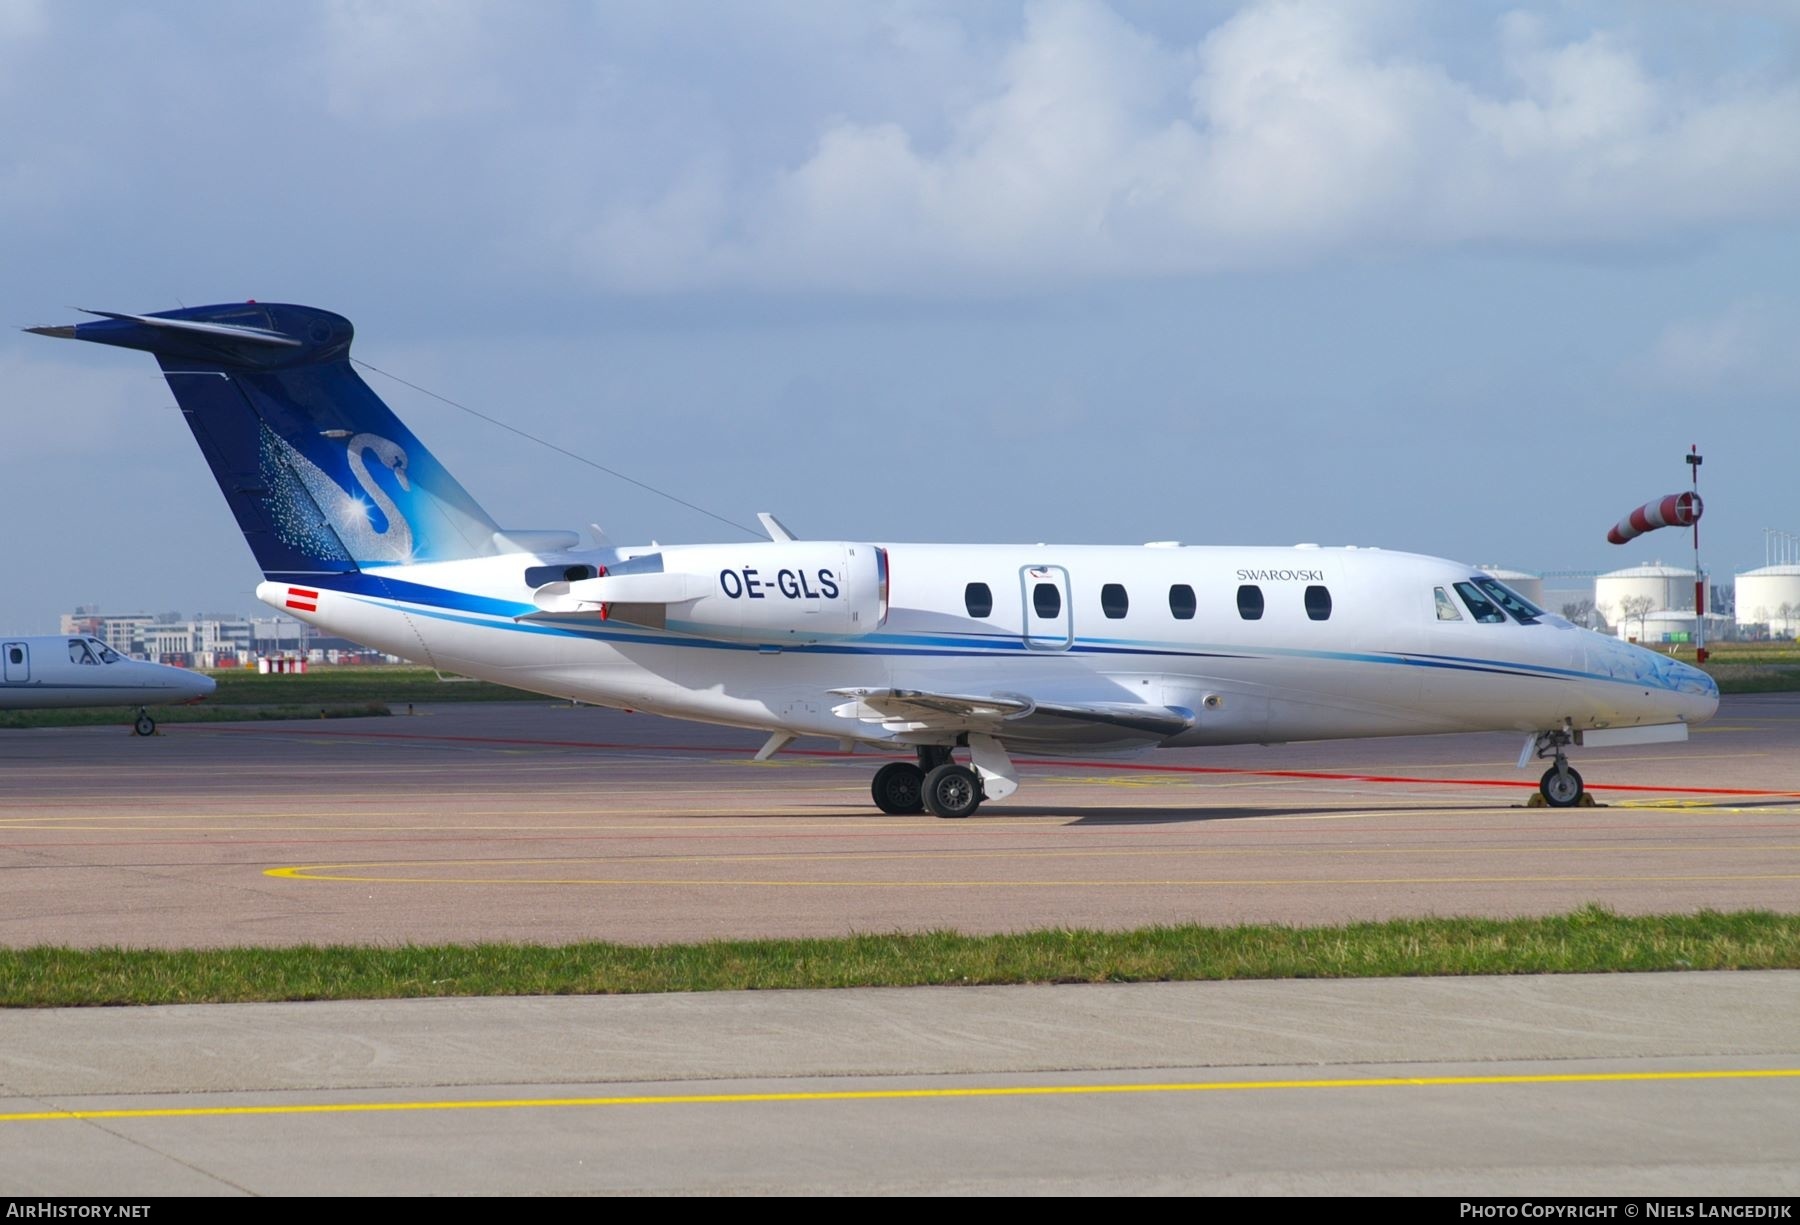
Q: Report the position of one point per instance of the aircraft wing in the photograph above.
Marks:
(1015, 718)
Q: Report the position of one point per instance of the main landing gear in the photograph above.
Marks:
(1561, 786)
(145, 725)
(939, 786)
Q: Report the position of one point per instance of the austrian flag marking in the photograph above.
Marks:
(304, 600)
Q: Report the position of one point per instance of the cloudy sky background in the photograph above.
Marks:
(1463, 279)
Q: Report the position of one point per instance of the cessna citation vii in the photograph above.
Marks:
(75, 670)
(924, 649)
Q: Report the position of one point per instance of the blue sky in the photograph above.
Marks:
(1463, 279)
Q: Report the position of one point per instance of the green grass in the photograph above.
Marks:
(1754, 678)
(1587, 941)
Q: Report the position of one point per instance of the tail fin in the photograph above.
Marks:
(322, 477)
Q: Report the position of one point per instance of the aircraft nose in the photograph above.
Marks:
(1700, 693)
(200, 686)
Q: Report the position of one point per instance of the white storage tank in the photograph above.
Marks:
(1529, 585)
(1666, 587)
(1762, 594)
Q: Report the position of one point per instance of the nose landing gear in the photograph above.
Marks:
(1561, 786)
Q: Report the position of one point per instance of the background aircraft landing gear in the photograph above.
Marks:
(145, 725)
(952, 791)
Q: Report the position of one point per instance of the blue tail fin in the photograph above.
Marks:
(322, 477)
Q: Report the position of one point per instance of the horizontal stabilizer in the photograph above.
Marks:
(237, 331)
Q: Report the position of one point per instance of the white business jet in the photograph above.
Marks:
(921, 649)
(72, 670)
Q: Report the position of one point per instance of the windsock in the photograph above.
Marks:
(1676, 510)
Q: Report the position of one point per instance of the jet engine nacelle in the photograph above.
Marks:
(774, 592)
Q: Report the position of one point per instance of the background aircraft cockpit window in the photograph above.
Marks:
(1181, 602)
(79, 654)
(1114, 601)
(1446, 607)
(978, 599)
(1483, 611)
(1250, 602)
(1318, 603)
(1047, 600)
(1523, 611)
(107, 654)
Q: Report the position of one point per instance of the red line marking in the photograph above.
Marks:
(1144, 767)
(303, 607)
(303, 593)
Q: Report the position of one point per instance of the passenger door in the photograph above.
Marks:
(17, 662)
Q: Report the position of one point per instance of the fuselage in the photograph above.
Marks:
(1257, 644)
(73, 670)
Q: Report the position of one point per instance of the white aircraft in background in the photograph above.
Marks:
(71, 670)
(923, 649)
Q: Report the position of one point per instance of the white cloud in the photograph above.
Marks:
(1090, 149)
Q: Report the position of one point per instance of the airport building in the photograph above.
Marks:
(210, 640)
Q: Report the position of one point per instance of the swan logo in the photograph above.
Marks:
(367, 523)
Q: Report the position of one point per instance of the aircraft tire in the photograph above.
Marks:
(1560, 788)
(952, 791)
(145, 725)
(899, 788)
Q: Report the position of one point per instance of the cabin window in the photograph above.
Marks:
(1318, 603)
(1479, 607)
(1047, 600)
(1446, 607)
(1250, 602)
(978, 599)
(1113, 600)
(1523, 611)
(16, 654)
(1182, 602)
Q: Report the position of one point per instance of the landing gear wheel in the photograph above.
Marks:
(145, 725)
(899, 788)
(952, 791)
(1561, 787)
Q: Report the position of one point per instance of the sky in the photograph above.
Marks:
(1458, 279)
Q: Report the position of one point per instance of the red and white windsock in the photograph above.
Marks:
(1676, 510)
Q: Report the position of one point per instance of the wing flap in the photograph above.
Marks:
(1014, 718)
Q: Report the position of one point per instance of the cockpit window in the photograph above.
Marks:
(1479, 606)
(1523, 611)
(107, 654)
(79, 653)
(1446, 607)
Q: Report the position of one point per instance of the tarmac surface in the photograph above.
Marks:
(542, 822)
(1626, 1085)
